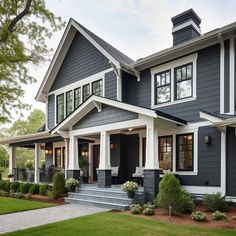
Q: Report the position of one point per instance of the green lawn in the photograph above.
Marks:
(116, 224)
(10, 205)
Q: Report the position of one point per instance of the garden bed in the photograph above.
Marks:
(40, 198)
(185, 219)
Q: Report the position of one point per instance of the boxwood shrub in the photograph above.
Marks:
(43, 189)
(15, 186)
(34, 189)
(58, 187)
(25, 187)
(215, 202)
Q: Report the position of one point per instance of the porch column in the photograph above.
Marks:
(151, 171)
(104, 171)
(67, 142)
(74, 170)
(12, 162)
(36, 163)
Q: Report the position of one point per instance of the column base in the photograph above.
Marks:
(73, 174)
(104, 179)
(151, 184)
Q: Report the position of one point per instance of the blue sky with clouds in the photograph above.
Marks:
(136, 27)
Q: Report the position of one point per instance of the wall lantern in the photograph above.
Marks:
(48, 151)
(112, 145)
(208, 139)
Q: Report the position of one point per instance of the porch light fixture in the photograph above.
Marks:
(84, 153)
(130, 129)
(48, 151)
(208, 139)
(112, 145)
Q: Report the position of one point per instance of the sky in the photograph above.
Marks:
(138, 28)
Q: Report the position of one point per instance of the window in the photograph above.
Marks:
(183, 82)
(60, 107)
(69, 102)
(144, 152)
(86, 91)
(184, 152)
(165, 152)
(97, 88)
(77, 97)
(163, 88)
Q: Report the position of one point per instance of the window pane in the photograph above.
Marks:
(189, 71)
(86, 91)
(97, 88)
(158, 80)
(163, 79)
(178, 74)
(184, 73)
(60, 108)
(184, 89)
(165, 152)
(163, 94)
(68, 102)
(185, 152)
(77, 97)
(167, 77)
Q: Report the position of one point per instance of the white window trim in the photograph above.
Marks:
(72, 87)
(171, 66)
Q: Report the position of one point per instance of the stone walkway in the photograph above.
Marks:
(28, 219)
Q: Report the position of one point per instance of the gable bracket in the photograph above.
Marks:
(98, 105)
(116, 70)
(137, 74)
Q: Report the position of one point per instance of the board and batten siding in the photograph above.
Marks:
(208, 88)
(51, 111)
(108, 115)
(82, 60)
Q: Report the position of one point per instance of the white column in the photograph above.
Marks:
(67, 143)
(73, 154)
(222, 77)
(12, 159)
(36, 162)
(152, 161)
(105, 162)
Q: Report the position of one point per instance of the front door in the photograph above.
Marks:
(96, 157)
(59, 158)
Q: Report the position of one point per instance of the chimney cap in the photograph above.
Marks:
(185, 16)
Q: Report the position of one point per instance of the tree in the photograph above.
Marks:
(25, 25)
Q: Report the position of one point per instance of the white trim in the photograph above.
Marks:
(186, 24)
(171, 66)
(209, 117)
(201, 189)
(222, 77)
(55, 145)
(230, 198)
(232, 77)
(46, 115)
(105, 160)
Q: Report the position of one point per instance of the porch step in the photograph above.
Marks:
(110, 198)
(97, 203)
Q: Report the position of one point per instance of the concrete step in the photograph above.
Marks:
(106, 205)
(101, 198)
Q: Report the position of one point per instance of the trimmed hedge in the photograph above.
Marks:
(43, 188)
(25, 187)
(58, 187)
(34, 189)
(15, 187)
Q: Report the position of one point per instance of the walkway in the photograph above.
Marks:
(28, 219)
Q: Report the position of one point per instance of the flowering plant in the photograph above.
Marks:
(130, 186)
(72, 182)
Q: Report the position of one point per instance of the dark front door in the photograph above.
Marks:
(96, 157)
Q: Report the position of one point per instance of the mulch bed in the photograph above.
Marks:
(40, 198)
(185, 219)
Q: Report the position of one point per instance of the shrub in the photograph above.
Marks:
(233, 218)
(25, 187)
(51, 195)
(34, 189)
(135, 209)
(217, 215)
(148, 211)
(198, 216)
(149, 205)
(215, 202)
(4, 193)
(19, 195)
(28, 196)
(58, 184)
(43, 189)
(1, 184)
(15, 186)
(171, 194)
(6, 186)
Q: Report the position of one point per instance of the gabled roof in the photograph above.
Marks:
(96, 101)
(113, 55)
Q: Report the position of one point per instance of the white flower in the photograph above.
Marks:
(130, 186)
(72, 182)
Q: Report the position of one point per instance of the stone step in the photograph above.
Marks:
(101, 204)
(102, 198)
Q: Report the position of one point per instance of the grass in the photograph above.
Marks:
(117, 224)
(10, 205)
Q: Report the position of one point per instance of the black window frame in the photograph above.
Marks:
(76, 97)
(177, 152)
(57, 106)
(67, 101)
(159, 148)
(161, 86)
(100, 81)
(88, 94)
(176, 82)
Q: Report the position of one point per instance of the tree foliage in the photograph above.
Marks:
(25, 25)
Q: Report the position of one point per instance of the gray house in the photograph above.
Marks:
(171, 111)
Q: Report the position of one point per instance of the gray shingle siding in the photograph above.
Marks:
(51, 111)
(226, 79)
(231, 162)
(209, 160)
(110, 85)
(108, 115)
(82, 60)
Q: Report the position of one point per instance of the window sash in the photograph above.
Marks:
(77, 97)
(97, 88)
(60, 107)
(163, 149)
(69, 102)
(86, 91)
(184, 148)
